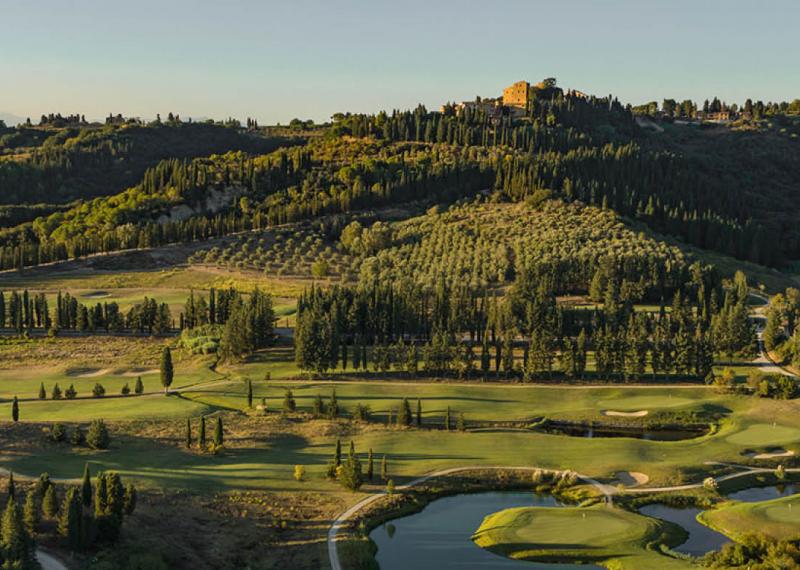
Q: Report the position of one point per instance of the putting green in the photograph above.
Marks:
(636, 403)
(572, 534)
(765, 434)
(779, 518)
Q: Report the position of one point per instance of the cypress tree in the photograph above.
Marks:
(86, 487)
(419, 413)
(404, 417)
(30, 512)
(317, 406)
(139, 388)
(337, 455)
(333, 406)
(167, 371)
(15, 540)
(15, 410)
(447, 419)
(370, 465)
(218, 435)
(249, 393)
(70, 523)
(11, 490)
(42, 392)
(129, 501)
(384, 469)
(50, 503)
(188, 433)
(289, 405)
(201, 438)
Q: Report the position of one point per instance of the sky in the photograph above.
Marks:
(276, 60)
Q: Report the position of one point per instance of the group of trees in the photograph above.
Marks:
(688, 109)
(89, 514)
(349, 470)
(68, 159)
(202, 442)
(94, 514)
(580, 148)
(25, 312)
(247, 321)
(781, 329)
(527, 333)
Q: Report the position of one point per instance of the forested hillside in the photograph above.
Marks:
(737, 198)
(50, 164)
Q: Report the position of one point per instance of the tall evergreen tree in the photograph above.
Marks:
(218, 435)
(167, 371)
(188, 433)
(86, 487)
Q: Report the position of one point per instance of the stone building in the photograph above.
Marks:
(517, 95)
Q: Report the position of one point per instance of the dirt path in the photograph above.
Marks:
(48, 561)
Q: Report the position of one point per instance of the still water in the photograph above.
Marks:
(439, 537)
(701, 538)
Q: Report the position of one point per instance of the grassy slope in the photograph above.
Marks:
(778, 518)
(598, 534)
(268, 463)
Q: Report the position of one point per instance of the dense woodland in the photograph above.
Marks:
(527, 333)
(736, 199)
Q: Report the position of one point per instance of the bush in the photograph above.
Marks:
(320, 268)
(98, 437)
(299, 472)
(71, 393)
(98, 391)
(56, 394)
(58, 433)
(125, 390)
(78, 437)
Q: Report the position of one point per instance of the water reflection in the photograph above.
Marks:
(701, 538)
(440, 536)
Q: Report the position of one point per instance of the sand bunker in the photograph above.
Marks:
(96, 295)
(639, 414)
(771, 454)
(135, 373)
(88, 372)
(631, 478)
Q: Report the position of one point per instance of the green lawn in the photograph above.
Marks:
(749, 422)
(778, 518)
(597, 534)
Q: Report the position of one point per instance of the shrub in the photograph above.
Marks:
(361, 413)
(58, 433)
(98, 391)
(299, 472)
(70, 392)
(125, 390)
(320, 268)
(97, 436)
(78, 437)
(56, 394)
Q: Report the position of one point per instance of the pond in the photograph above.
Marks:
(585, 430)
(758, 494)
(701, 538)
(440, 536)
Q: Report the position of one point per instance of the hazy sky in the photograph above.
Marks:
(310, 58)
